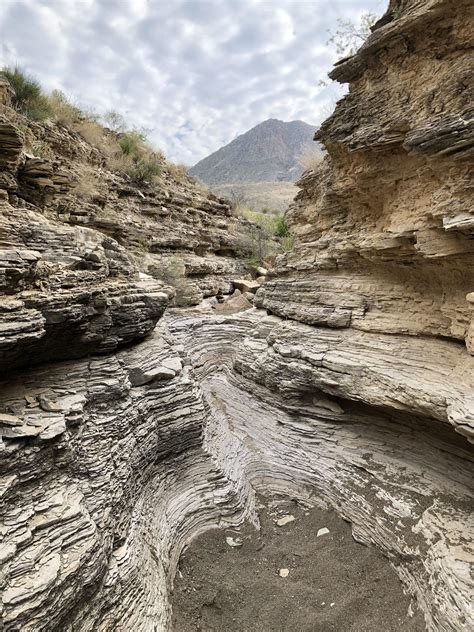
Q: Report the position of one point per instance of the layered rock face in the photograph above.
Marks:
(384, 229)
(356, 392)
(87, 258)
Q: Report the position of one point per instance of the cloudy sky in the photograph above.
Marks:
(196, 73)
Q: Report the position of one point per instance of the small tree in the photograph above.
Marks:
(237, 199)
(115, 121)
(349, 35)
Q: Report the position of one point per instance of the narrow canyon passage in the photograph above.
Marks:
(191, 452)
(165, 385)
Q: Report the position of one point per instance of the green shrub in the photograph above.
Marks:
(281, 229)
(143, 169)
(132, 143)
(28, 98)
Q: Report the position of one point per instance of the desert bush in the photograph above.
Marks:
(114, 121)
(287, 243)
(40, 149)
(178, 172)
(132, 143)
(119, 162)
(173, 273)
(86, 187)
(91, 132)
(237, 200)
(259, 232)
(144, 169)
(62, 110)
(138, 160)
(281, 229)
(28, 98)
(265, 235)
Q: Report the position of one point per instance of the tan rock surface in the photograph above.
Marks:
(383, 230)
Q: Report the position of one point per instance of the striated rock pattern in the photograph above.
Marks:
(356, 392)
(176, 434)
(384, 228)
(87, 258)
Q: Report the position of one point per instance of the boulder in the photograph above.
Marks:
(246, 285)
(234, 305)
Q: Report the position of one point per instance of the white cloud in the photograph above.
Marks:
(194, 72)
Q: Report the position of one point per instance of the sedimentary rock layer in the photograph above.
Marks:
(363, 400)
(88, 258)
(383, 229)
(111, 465)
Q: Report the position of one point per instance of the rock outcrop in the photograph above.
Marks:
(356, 391)
(88, 259)
(384, 228)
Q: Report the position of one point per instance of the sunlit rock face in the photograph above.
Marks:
(355, 392)
(384, 227)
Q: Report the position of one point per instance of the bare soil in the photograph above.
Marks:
(333, 583)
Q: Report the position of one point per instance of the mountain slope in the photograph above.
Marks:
(268, 152)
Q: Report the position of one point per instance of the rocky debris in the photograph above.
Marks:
(281, 522)
(233, 305)
(322, 531)
(217, 589)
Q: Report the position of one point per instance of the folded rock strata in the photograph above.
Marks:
(162, 440)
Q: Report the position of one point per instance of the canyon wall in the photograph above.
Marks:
(351, 385)
(384, 227)
(88, 258)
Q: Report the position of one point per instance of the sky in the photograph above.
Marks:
(193, 73)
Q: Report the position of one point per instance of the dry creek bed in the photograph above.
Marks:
(287, 578)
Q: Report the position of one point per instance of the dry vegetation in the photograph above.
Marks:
(259, 195)
(87, 186)
(311, 158)
(125, 151)
(266, 233)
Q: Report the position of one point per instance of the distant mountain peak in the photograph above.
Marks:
(269, 152)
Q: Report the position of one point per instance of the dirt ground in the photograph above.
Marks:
(288, 579)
